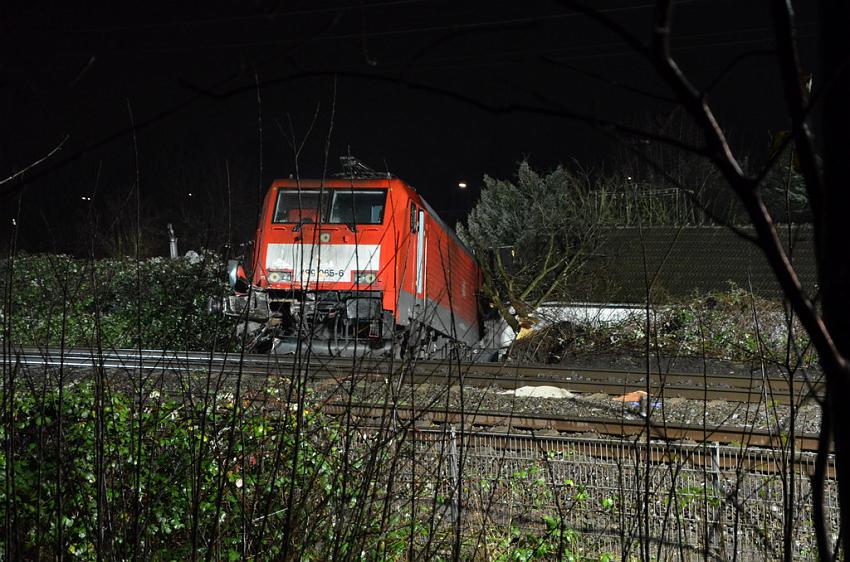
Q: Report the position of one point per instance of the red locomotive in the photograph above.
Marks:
(355, 265)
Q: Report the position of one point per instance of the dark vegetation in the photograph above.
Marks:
(117, 303)
(196, 485)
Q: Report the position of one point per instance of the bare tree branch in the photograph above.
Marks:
(47, 156)
(611, 82)
(734, 63)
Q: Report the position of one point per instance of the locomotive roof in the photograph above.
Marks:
(384, 181)
(337, 182)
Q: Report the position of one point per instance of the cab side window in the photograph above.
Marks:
(414, 221)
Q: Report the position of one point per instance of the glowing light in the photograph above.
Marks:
(462, 185)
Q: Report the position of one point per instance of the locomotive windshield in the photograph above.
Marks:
(297, 206)
(337, 206)
(359, 206)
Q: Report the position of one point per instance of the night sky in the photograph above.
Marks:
(437, 92)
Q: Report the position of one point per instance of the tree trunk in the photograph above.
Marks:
(834, 233)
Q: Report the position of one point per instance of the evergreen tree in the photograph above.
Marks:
(530, 237)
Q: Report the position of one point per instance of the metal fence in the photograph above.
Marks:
(622, 498)
(648, 207)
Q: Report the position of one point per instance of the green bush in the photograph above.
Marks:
(155, 304)
(192, 467)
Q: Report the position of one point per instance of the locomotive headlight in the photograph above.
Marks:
(279, 276)
(365, 277)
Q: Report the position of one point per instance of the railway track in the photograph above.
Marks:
(471, 420)
(710, 386)
(700, 455)
(336, 370)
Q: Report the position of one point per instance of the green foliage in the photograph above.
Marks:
(180, 469)
(555, 542)
(697, 494)
(156, 303)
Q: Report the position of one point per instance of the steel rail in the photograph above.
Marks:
(468, 420)
(710, 386)
(700, 454)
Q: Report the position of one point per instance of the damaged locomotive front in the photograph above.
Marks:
(331, 322)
